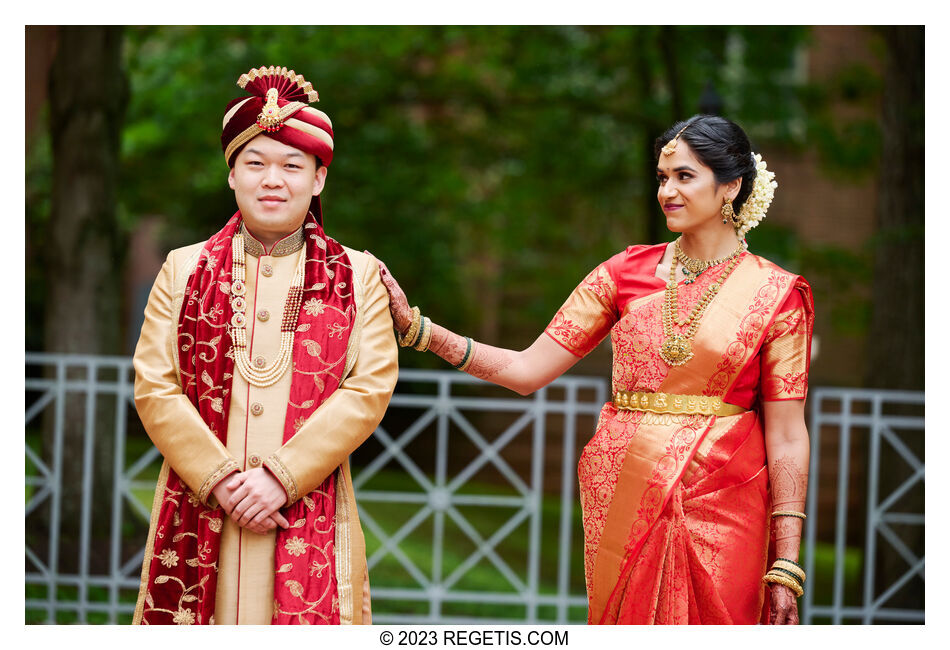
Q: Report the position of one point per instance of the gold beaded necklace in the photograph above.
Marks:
(264, 376)
(677, 349)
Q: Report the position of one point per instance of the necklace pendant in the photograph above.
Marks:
(676, 350)
(690, 276)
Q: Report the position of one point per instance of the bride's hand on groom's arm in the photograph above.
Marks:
(398, 303)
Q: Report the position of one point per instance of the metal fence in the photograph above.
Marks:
(441, 518)
(886, 426)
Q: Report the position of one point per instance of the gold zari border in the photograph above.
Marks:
(353, 345)
(253, 130)
(226, 467)
(286, 246)
(157, 500)
(282, 71)
(246, 135)
(344, 569)
(674, 404)
(273, 463)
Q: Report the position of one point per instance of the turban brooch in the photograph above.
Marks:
(278, 107)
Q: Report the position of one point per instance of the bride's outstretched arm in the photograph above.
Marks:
(523, 372)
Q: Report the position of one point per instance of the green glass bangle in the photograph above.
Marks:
(468, 351)
(785, 559)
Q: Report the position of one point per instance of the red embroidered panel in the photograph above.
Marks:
(780, 368)
(587, 315)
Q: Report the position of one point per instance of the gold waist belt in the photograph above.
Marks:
(674, 404)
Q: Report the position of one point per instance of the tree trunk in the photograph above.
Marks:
(651, 128)
(667, 41)
(83, 255)
(896, 341)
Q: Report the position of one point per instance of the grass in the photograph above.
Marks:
(821, 579)
(70, 594)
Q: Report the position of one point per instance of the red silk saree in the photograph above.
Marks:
(676, 507)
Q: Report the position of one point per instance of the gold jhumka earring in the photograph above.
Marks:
(727, 212)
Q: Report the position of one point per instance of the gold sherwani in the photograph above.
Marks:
(245, 592)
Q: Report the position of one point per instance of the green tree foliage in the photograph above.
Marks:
(490, 167)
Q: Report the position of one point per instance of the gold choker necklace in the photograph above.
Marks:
(692, 269)
(264, 375)
(677, 349)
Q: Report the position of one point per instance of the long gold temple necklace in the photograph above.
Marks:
(261, 376)
(677, 349)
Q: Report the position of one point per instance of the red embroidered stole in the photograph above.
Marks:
(731, 332)
(182, 578)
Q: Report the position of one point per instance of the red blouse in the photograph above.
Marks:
(778, 371)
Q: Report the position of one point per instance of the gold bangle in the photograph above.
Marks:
(791, 567)
(785, 581)
(788, 513)
(422, 324)
(425, 337)
(779, 571)
(410, 336)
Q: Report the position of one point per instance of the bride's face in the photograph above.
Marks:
(688, 193)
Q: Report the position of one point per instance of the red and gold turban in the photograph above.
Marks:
(278, 106)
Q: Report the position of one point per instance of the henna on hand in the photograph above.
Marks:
(448, 345)
(789, 484)
(489, 361)
(787, 446)
(786, 528)
(398, 303)
(783, 609)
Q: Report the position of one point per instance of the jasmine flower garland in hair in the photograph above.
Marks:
(763, 190)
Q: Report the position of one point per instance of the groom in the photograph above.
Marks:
(266, 358)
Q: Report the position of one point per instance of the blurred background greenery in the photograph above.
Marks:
(490, 167)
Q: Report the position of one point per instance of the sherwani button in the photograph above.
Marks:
(263, 315)
(267, 270)
(254, 460)
(257, 408)
(260, 361)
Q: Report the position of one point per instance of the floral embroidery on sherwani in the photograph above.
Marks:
(182, 577)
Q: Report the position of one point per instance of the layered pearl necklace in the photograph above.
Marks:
(677, 349)
(267, 375)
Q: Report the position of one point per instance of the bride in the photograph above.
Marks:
(693, 485)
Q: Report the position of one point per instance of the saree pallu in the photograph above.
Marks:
(676, 506)
(698, 543)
